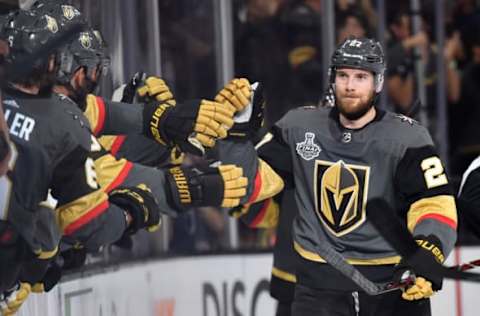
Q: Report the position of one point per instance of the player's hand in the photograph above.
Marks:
(248, 121)
(49, 280)
(192, 126)
(140, 205)
(420, 290)
(212, 186)
(235, 95)
(426, 283)
(155, 89)
(12, 300)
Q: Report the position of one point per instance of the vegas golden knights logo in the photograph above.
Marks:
(340, 195)
(52, 25)
(68, 12)
(85, 40)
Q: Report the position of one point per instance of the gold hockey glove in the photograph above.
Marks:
(211, 186)
(421, 289)
(140, 204)
(192, 126)
(235, 95)
(12, 300)
(155, 88)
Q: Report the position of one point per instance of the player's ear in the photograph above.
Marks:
(78, 77)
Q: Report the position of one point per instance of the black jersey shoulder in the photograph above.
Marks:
(403, 130)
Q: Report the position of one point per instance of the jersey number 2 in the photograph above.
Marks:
(433, 172)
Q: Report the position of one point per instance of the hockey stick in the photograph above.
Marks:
(395, 232)
(337, 261)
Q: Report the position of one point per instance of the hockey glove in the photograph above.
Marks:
(235, 95)
(130, 91)
(211, 186)
(248, 121)
(192, 126)
(12, 300)
(140, 204)
(426, 283)
(73, 258)
(50, 279)
(153, 89)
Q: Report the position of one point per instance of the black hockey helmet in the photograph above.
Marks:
(87, 50)
(26, 32)
(64, 13)
(361, 53)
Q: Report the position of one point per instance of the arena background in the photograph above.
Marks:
(206, 263)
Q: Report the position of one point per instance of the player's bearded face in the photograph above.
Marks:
(354, 92)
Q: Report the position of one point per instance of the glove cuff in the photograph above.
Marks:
(187, 187)
(433, 245)
(140, 204)
(153, 117)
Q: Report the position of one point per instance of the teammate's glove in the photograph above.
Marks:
(155, 89)
(140, 204)
(50, 279)
(130, 90)
(211, 186)
(426, 283)
(192, 126)
(248, 121)
(236, 94)
(12, 300)
(73, 258)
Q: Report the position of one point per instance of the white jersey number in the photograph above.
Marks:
(433, 172)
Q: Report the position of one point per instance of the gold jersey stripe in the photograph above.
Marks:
(107, 142)
(42, 254)
(92, 112)
(312, 256)
(72, 212)
(269, 184)
(267, 216)
(284, 275)
(440, 205)
(108, 168)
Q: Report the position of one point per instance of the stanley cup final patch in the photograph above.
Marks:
(308, 149)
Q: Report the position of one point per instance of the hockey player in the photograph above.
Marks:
(469, 198)
(338, 159)
(193, 126)
(53, 149)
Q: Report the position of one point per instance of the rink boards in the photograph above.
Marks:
(226, 285)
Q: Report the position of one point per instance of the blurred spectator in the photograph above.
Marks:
(361, 7)
(188, 47)
(302, 21)
(400, 71)
(260, 51)
(466, 115)
(350, 24)
(465, 18)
